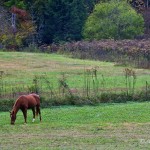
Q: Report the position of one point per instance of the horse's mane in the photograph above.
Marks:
(16, 102)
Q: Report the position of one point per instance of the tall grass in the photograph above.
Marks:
(130, 77)
(92, 93)
(91, 82)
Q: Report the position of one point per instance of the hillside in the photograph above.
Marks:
(63, 80)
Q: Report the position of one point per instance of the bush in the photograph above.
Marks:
(113, 20)
(6, 104)
(124, 52)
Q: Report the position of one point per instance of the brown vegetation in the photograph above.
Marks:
(133, 52)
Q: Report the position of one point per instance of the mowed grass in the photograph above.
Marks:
(107, 126)
(20, 69)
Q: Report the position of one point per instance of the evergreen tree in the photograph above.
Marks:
(43, 16)
(69, 19)
(59, 20)
(90, 4)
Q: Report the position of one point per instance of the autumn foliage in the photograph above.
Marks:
(124, 52)
(20, 12)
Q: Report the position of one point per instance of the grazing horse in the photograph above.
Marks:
(25, 102)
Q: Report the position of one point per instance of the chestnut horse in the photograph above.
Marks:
(25, 102)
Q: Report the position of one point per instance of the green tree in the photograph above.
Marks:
(113, 20)
(42, 15)
(17, 3)
(59, 20)
(69, 20)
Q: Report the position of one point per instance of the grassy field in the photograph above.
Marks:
(19, 69)
(107, 127)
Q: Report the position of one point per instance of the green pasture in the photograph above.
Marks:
(20, 68)
(107, 126)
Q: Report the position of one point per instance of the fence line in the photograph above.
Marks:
(93, 91)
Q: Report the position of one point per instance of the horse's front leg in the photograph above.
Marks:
(25, 114)
(33, 110)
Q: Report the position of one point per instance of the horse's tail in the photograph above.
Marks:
(38, 111)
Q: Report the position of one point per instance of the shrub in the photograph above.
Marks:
(113, 20)
(123, 52)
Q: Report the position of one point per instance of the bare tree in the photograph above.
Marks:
(5, 19)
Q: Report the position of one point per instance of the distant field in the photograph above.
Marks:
(20, 68)
(103, 127)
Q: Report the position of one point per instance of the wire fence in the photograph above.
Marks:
(91, 93)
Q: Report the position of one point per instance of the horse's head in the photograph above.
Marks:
(13, 117)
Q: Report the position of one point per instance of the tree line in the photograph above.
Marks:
(51, 21)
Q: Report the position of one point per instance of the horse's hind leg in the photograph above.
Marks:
(33, 110)
(38, 111)
(40, 114)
